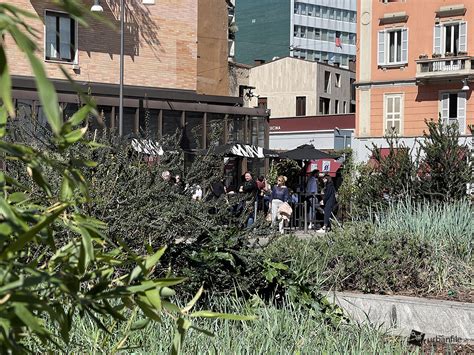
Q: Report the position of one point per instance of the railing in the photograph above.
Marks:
(443, 66)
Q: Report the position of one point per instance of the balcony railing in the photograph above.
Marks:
(444, 67)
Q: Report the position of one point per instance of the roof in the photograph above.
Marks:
(312, 123)
(303, 60)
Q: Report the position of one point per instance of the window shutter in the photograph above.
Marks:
(381, 48)
(405, 45)
(51, 50)
(437, 39)
(462, 112)
(463, 36)
(445, 108)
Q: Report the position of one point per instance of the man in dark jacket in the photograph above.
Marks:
(329, 202)
(249, 188)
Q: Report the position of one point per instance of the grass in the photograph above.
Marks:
(422, 249)
(446, 226)
(287, 329)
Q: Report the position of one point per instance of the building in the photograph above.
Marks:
(309, 29)
(291, 87)
(414, 63)
(333, 132)
(172, 73)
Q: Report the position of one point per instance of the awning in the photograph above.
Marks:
(242, 150)
(147, 146)
(306, 152)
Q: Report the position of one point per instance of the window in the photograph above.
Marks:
(338, 80)
(301, 106)
(336, 107)
(450, 38)
(453, 109)
(317, 33)
(339, 15)
(327, 82)
(332, 13)
(393, 109)
(324, 35)
(310, 10)
(353, 16)
(262, 102)
(352, 38)
(60, 42)
(296, 31)
(317, 11)
(353, 90)
(392, 47)
(324, 104)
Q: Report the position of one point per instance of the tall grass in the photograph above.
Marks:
(288, 329)
(446, 226)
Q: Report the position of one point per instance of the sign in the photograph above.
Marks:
(326, 166)
(248, 151)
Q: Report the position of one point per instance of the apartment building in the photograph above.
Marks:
(415, 62)
(317, 30)
(164, 75)
(292, 87)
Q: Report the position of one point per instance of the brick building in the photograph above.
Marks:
(414, 62)
(171, 69)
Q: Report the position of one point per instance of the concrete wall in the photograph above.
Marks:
(212, 48)
(342, 93)
(264, 29)
(238, 75)
(160, 44)
(281, 81)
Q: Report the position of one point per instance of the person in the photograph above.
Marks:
(312, 189)
(278, 197)
(329, 202)
(263, 191)
(249, 188)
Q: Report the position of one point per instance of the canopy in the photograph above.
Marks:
(242, 150)
(306, 152)
(147, 146)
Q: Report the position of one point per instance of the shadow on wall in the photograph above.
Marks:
(139, 26)
(431, 92)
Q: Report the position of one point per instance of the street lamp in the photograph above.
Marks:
(98, 8)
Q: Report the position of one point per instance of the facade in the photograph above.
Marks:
(167, 88)
(213, 47)
(414, 63)
(291, 87)
(317, 30)
(334, 132)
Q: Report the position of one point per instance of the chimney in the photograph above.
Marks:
(258, 62)
(336, 64)
(352, 65)
(325, 61)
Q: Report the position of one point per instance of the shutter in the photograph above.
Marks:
(50, 25)
(444, 108)
(462, 111)
(381, 48)
(404, 45)
(437, 39)
(462, 37)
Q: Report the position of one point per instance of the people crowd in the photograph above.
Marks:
(274, 204)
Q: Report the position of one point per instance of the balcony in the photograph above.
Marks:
(444, 68)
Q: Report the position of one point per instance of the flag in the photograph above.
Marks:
(338, 40)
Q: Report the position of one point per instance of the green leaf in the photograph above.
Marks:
(76, 135)
(47, 94)
(66, 192)
(204, 331)
(193, 301)
(87, 245)
(33, 231)
(17, 197)
(80, 115)
(182, 325)
(141, 324)
(29, 319)
(3, 121)
(5, 87)
(209, 314)
(153, 296)
(153, 260)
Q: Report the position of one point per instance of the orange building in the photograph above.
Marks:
(413, 63)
